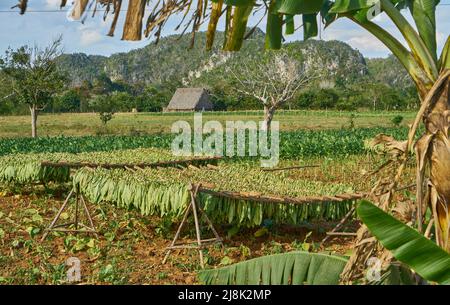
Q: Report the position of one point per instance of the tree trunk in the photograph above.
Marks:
(269, 111)
(34, 114)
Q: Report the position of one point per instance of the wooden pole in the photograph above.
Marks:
(54, 227)
(88, 215)
(177, 234)
(195, 207)
(288, 168)
(57, 216)
(194, 161)
(339, 225)
(197, 226)
(76, 211)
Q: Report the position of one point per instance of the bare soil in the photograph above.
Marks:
(130, 247)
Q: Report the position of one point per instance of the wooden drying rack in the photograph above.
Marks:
(175, 163)
(79, 198)
(257, 197)
(195, 207)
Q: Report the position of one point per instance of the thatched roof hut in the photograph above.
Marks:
(190, 99)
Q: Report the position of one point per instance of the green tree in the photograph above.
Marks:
(104, 106)
(122, 101)
(69, 101)
(102, 85)
(153, 98)
(33, 77)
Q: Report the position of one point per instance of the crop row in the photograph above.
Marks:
(293, 145)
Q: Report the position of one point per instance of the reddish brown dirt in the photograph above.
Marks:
(130, 248)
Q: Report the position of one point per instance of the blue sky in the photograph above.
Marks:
(90, 37)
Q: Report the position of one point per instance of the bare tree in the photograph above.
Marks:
(273, 82)
(32, 74)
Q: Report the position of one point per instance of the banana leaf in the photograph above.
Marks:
(310, 28)
(274, 28)
(423, 12)
(294, 268)
(406, 244)
(295, 7)
(444, 61)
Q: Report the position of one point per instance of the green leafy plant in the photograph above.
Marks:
(406, 244)
(280, 269)
(397, 120)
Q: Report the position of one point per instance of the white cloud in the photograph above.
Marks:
(89, 37)
(366, 43)
(52, 4)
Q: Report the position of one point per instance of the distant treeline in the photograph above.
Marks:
(122, 97)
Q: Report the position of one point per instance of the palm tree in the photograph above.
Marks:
(430, 72)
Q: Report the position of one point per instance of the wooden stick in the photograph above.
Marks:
(63, 225)
(341, 234)
(73, 230)
(76, 211)
(191, 246)
(195, 241)
(177, 234)
(287, 168)
(57, 216)
(197, 225)
(88, 214)
(187, 162)
(211, 226)
(283, 200)
(340, 224)
(201, 243)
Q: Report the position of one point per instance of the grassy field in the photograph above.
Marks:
(78, 124)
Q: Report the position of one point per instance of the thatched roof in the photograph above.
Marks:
(190, 99)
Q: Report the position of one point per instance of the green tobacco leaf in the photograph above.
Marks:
(326, 15)
(406, 244)
(296, 7)
(294, 268)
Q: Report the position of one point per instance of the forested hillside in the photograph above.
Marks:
(146, 78)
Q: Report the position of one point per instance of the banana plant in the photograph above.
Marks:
(406, 244)
(292, 268)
